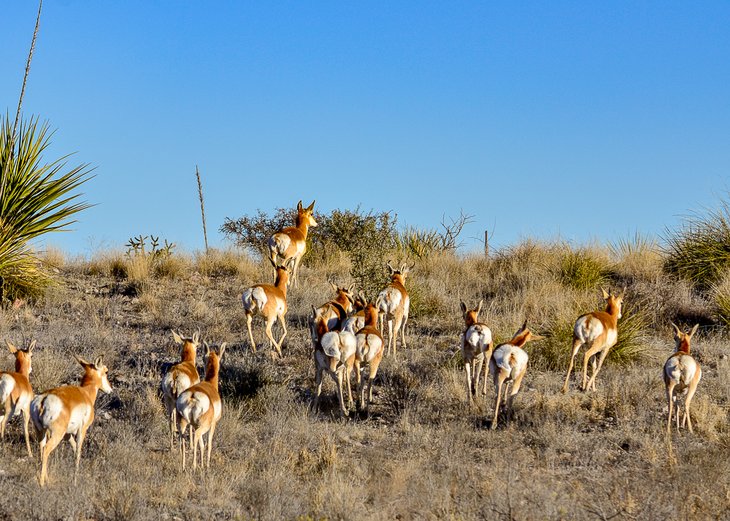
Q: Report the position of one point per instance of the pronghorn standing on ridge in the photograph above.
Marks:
(16, 392)
(393, 304)
(269, 301)
(68, 411)
(291, 242)
(681, 373)
(598, 331)
(508, 366)
(476, 347)
(199, 407)
(335, 311)
(369, 353)
(179, 377)
(334, 352)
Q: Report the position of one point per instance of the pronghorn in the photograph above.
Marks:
(16, 392)
(200, 408)
(393, 304)
(68, 411)
(291, 242)
(179, 377)
(509, 365)
(682, 373)
(369, 352)
(476, 346)
(269, 301)
(334, 352)
(335, 311)
(598, 331)
(356, 321)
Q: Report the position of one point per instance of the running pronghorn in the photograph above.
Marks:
(598, 331)
(682, 373)
(179, 377)
(369, 353)
(200, 408)
(335, 311)
(356, 321)
(476, 346)
(393, 303)
(291, 242)
(68, 411)
(334, 352)
(508, 366)
(269, 301)
(16, 392)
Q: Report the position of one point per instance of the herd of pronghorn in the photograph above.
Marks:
(346, 335)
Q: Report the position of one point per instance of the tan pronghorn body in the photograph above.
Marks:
(291, 242)
(369, 353)
(200, 408)
(16, 392)
(598, 331)
(179, 377)
(269, 301)
(334, 353)
(333, 312)
(356, 321)
(476, 348)
(68, 411)
(508, 365)
(393, 304)
(681, 373)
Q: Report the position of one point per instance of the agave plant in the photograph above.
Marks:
(35, 198)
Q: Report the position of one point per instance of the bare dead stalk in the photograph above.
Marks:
(202, 208)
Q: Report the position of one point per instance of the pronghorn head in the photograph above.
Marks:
(95, 374)
(189, 345)
(614, 303)
(682, 340)
(305, 216)
(523, 336)
(471, 316)
(213, 360)
(371, 314)
(283, 272)
(344, 296)
(22, 357)
(399, 275)
(360, 301)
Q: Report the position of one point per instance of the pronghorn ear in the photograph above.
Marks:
(80, 360)
(299, 206)
(207, 348)
(98, 362)
(536, 337)
(392, 269)
(311, 206)
(178, 339)
(314, 311)
(606, 294)
(677, 331)
(694, 330)
(479, 307)
(222, 349)
(463, 306)
(31, 346)
(11, 347)
(334, 286)
(196, 337)
(522, 329)
(351, 288)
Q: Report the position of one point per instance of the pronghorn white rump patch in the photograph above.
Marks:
(368, 346)
(478, 336)
(192, 405)
(254, 298)
(587, 328)
(7, 384)
(279, 243)
(353, 324)
(175, 382)
(44, 409)
(389, 300)
(681, 370)
(510, 358)
(339, 344)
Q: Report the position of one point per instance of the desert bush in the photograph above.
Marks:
(224, 263)
(700, 249)
(720, 295)
(637, 258)
(582, 268)
(35, 198)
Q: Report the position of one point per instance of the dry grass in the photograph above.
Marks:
(422, 452)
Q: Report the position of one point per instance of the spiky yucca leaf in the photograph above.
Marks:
(35, 198)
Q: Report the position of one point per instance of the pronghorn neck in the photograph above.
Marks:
(188, 351)
(302, 224)
(470, 318)
(613, 309)
(683, 345)
(212, 367)
(520, 339)
(91, 383)
(343, 299)
(22, 363)
(321, 327)
(282, 278)
(371, 315)
(398, 278)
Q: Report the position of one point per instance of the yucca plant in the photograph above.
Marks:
(35, 198)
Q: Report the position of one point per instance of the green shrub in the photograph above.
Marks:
(582, 269)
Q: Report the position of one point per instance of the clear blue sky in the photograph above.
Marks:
(583, 120)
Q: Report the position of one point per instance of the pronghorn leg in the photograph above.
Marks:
(77, 448)
(498, 381)
(337, 376)
(360, 385)
(270, 334)
(592, 382)
(487, 359)
(398, 321)
(210, 443)
(403, 329)
(26, 419)
(478, 363)
(467, 368)
(576, 346)
(515, 388)
(390, 335)
(586, 358)
(283, 336)
(249, 318)
(6, 416)
(348, 377)
(194, 439)
(318, 385)
(172, 419)
(49, 442)
(670, 404)
(201, 447)
(295, 271)
(374, 364)
(687, 401)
